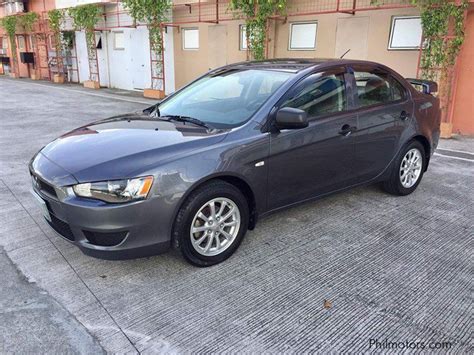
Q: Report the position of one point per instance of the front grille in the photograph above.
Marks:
(47, 188)
(43, 186)
(61, 227)
(105, 239)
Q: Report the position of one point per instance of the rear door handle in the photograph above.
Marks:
(346, 130)
(404, 115)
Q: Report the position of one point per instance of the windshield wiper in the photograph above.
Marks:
(193, 120)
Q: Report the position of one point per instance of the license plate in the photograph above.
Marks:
(42, 205)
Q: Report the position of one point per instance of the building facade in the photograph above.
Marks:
(462, 113)
(204, 34)
(366, 35)
(26, 42)
(123, 49)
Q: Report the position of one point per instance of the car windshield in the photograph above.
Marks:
(225, 99)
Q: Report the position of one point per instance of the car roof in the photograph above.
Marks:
(293, 65)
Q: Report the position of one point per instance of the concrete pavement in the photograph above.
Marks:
(33, 322)
(394, 269)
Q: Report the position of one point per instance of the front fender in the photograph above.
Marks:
(234, 157)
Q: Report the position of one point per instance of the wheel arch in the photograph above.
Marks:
(426, 145)
(247, 191)
(238, 181)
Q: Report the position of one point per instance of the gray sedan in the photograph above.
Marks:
(198, 169)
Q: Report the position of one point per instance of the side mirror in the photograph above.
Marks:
(291, 118)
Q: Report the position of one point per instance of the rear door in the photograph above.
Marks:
(384, 112)
(315, 160)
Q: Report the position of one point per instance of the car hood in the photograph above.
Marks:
(124, 146)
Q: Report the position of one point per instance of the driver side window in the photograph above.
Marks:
(319, 94)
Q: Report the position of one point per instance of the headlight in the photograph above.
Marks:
(116, 191)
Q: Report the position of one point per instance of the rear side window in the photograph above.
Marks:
(319, 95)
(377, 87)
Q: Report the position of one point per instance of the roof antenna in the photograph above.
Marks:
(342, 56)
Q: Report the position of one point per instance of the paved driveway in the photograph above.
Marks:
(392, 269)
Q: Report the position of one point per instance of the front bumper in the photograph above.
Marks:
(107, 231)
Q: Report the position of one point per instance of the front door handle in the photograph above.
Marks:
(346, 130)
(404, 115)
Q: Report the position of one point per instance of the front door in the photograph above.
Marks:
(22, 47)
(315, 160)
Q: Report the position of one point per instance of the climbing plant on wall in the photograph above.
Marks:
(65, 38)
(55, 19)
(9, 25)
(85, 18)
(440, 18)
(28, 21)
(443, 32)
(153, 13)
(257, 14)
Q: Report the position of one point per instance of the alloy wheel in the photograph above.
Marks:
(410, 168)
(215, 226)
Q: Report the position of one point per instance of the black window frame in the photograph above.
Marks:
(374, 69)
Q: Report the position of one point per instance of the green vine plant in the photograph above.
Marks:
(65, 38)
(256, 14)
(154, 13)
(55, 19)
(440, 18)
(9, 25)
(86, 18)
(28, 21)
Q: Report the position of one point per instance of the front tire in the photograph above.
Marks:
(211, 223)
(407, 170)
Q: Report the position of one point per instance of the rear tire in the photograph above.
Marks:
(211, 223)
(407, 170)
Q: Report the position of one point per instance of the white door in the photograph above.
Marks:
(352, 34)
(82, 60)
(140, 58)
(102, 58)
